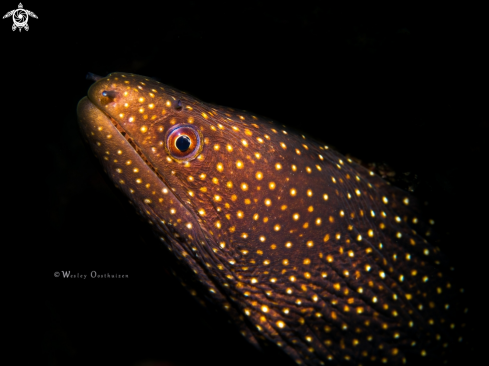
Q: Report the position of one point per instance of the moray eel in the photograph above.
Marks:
(298, 244)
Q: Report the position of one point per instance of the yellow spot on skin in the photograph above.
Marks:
(244, 142)
(259, 176)
(293, 192)
(285, 262)
(295, 216)
(310, 209)
(276, 227)
(309, 193)
(278, 166)
(240, 214)
(229, 148)
(288, 244)
(280, 323)
(310, 243)
(220, 167)
(325, 197)
(244, 186)
(271, 185)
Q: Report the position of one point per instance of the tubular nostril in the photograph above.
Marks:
(93, 77)
(109, 94)
(178, 105)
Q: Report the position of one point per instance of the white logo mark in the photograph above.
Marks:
(20, 17)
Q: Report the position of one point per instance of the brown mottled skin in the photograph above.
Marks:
(299, 244)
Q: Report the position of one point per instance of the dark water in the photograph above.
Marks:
(385, 89)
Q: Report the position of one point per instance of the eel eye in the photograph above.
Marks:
(183, 142)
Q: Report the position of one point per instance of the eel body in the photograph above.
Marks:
(300, 245)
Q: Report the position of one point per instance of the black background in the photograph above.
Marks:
(397, 85)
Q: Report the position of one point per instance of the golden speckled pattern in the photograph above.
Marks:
(299, 244)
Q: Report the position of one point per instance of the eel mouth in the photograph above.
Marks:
(130, 140)
(91, 117)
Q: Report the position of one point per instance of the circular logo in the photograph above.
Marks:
(20, 17)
